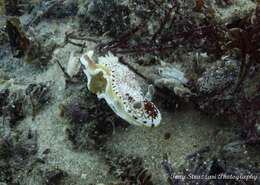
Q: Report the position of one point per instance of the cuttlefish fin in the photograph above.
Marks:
(73, 65)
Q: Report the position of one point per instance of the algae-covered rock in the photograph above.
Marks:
(35, 49)
(220, 76)
(215, 88)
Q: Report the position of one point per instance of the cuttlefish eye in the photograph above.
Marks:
(137, 105)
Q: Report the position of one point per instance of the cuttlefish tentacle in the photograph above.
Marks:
(119, 86)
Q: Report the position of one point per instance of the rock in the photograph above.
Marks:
(54, 176)
(221, 76)
(258, 129)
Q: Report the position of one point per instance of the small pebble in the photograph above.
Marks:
(167, 135)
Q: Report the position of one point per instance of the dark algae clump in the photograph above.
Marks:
(105, 17)
(130, 170)
(91, 125)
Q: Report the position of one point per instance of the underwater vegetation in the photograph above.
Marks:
(166, 28)
(39, 95)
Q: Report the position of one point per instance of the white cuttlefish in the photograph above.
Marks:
(121, 89)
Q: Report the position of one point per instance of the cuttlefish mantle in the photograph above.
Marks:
(121, 89)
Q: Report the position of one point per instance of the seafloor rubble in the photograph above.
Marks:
(201, 57)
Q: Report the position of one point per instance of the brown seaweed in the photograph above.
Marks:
(39, 95)
(17, 38)
(13, 7)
